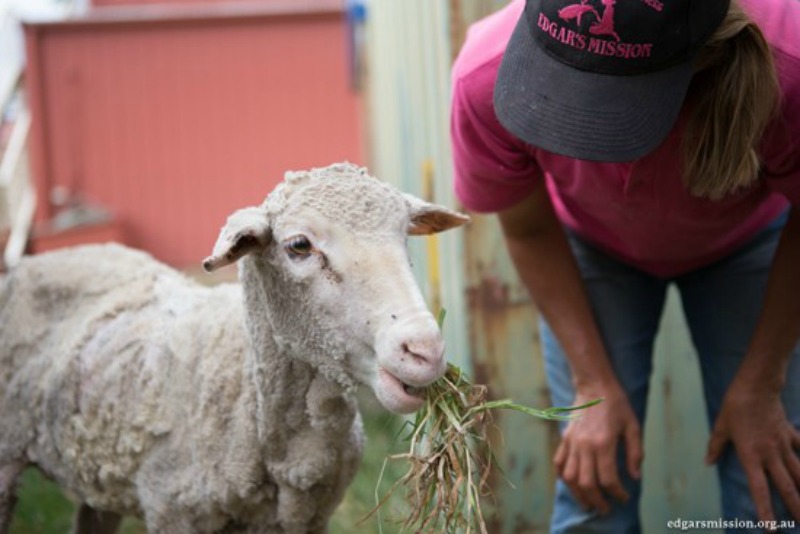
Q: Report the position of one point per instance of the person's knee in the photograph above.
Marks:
(569, 517)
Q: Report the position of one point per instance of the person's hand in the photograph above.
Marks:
(586, 458)
(753, 420)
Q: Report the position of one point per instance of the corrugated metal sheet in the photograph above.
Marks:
(173, 122)
(506, 355)
(410, 46)
(408, 107)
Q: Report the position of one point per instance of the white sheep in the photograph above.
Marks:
(229, 408)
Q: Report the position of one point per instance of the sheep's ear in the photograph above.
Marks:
(427, 218)
(247, 230)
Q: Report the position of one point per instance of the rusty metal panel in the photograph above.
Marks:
(505, 353)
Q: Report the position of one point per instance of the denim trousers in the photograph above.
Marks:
(721, 303)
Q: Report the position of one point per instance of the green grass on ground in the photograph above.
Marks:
(43, 509)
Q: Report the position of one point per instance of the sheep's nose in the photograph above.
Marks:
(413, 350)
(420, 359)
(428, 350)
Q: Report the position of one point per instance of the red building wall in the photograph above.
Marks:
(174, 122)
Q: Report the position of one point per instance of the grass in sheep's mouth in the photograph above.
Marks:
(449, 454)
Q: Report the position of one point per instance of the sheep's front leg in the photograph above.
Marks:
(91, 521)
(8, 479)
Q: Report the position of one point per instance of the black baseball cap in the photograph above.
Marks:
(601, 80)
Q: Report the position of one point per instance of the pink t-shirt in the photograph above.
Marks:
(639, 212)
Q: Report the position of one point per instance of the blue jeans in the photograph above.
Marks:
(721, 303)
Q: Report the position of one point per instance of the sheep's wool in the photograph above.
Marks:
(347, 193)
(211, 409)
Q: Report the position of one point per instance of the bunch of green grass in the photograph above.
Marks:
(450, 457)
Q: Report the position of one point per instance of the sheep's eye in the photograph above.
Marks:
(298, 246)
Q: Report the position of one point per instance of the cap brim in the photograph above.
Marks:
(581, 114)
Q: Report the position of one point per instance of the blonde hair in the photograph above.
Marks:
(733, 96)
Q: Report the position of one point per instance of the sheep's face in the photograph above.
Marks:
(346, 292)
(368, 314)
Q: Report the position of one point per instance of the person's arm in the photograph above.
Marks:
(586, 457)
(752, 417)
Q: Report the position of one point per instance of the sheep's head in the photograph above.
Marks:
(332, 243)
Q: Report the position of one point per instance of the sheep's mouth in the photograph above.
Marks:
(413, 390)
(396, 395)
